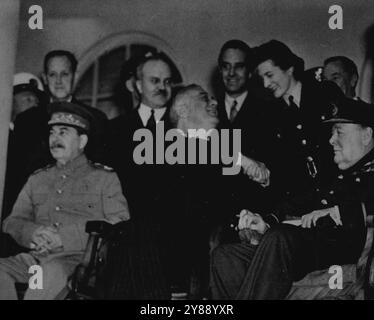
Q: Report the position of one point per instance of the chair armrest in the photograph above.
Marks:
(97, 230)
(99, 227)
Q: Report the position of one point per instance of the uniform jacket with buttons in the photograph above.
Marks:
(352, 192)
(304, 156)
(67, 196)
(30, 143)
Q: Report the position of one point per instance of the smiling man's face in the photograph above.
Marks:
(350, 142)
(234, 71)
(204, 112)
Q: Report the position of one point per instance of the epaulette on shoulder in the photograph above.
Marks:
(98, 165)
(46, 168)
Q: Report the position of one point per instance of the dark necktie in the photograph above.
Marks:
(293, 105)
(233, 111)
(151, 123)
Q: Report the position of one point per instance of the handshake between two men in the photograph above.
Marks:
(255, 170)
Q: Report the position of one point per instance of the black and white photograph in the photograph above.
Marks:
(186, 154)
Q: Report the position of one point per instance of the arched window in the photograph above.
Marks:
(99, 69)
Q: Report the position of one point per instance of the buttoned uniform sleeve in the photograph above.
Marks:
(21, 222)
(114, 202)
(348, 195)
(295, 207)
(114, 209)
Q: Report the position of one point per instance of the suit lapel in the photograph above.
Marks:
(222, 115)
(135, 120)
(244, 109)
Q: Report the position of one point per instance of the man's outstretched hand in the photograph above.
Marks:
(255, 170)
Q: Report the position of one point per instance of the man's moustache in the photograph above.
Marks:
(57, 145)
(161, 93)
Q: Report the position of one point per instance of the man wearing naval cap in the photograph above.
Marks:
(332, 224)
(53, 207)
(27, 93)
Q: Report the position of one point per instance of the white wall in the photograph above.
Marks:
(196, 29)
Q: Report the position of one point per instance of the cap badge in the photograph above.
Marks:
(66, 118)
(334, 110)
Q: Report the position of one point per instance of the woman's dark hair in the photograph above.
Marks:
(281, 56)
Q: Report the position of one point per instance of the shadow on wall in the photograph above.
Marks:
(367, 72)
(216, 82)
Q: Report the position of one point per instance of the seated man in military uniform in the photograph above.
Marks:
(332, 225)
(53, 207)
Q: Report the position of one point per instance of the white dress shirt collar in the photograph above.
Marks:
(196, 133)
(295, 92)
(230, 100)
(69, 99)
(145, 112)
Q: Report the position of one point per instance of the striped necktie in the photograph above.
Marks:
(233, 111)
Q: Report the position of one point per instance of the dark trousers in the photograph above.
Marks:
(135, 264)
(285, 254)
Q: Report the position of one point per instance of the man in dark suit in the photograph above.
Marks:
(27, 93)
(199, 192)
(195, 192)
(145, 185)
(342, 71)
(154, 84)
(245, 106)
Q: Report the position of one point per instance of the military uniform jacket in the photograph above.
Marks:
(67, 196)
(352, 192)
(304, 156)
